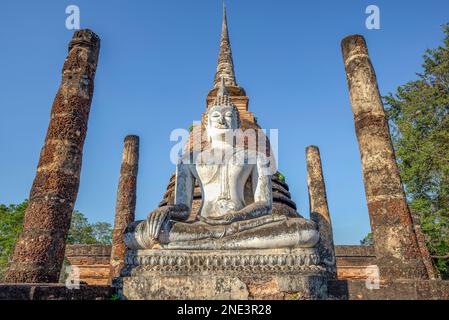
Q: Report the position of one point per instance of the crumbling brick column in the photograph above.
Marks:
(396, 245)
(319, 210)
(126, 202)
(39, 251)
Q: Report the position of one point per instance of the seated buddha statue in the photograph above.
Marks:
(225, 220)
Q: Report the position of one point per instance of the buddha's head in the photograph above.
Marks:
(222, 116)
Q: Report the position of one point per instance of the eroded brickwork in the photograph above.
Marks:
(319, 210)
(126, 202)
(397, 251)
(354, 262)
(93, 261)
(52, 291)
(39, 251)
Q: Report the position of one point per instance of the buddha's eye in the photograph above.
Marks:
(216, 115)
(228, 114)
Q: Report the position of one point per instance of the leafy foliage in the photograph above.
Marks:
(102, 232)
(11, 220)
(115, 296)
(419, 122)
(368, 240)
(280, 176)
(83, 232)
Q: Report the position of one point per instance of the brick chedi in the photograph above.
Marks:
(396, 246)
(319, 210)
(39, 251)
(126, 202)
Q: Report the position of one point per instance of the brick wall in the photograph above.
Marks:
(353, 260)
(93, 261)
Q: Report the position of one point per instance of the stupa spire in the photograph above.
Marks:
(225, 65)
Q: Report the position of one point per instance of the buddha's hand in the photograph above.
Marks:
(155, 221)
(228, 218)
(158, 217)
(254, 210)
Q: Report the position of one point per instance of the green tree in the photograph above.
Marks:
(11, 220)
(419, 122)
(83, 232)
(103, 232)
(368, 240)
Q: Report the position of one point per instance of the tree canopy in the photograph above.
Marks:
(419, 122)
(11, 220)
(83, 232)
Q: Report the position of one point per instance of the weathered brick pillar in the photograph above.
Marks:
(39, 251)
(126, 202)
(396, 245)
(319, 210)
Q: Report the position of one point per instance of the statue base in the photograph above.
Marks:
(289, 274)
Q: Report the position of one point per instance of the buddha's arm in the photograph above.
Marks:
(262, 185)
(263, 198)
(183, 203)
(184, 188)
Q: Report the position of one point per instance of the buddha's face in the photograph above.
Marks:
(221, 120)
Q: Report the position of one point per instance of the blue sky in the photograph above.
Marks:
(156, 66)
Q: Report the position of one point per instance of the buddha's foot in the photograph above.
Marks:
(137, 236)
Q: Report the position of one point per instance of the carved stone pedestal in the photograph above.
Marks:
(226, 274)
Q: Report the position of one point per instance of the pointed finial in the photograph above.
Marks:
(225, 65)
(225, 20)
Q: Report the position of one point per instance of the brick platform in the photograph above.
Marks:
(93, 261)
(53, 292)
(392, 290)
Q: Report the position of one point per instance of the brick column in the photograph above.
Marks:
(126, 202)
(39, 251)
(396, 245)
(319, 211)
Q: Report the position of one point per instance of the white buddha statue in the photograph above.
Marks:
(225, 220)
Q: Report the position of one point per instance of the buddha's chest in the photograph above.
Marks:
(223, 187)
(228, 175)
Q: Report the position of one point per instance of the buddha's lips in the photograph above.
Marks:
(221, 126)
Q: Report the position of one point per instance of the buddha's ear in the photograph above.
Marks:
(237, 116)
